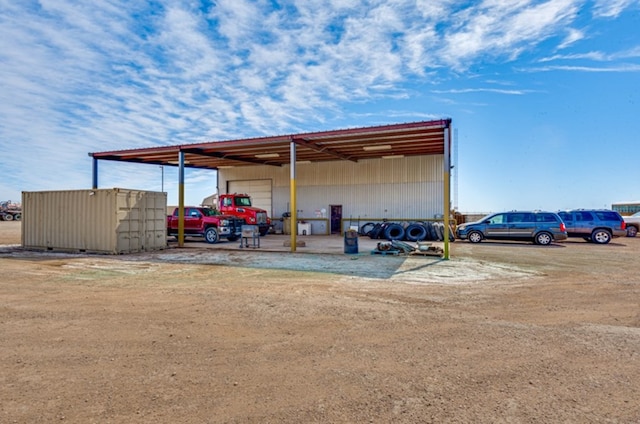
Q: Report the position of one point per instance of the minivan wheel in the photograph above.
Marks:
(632, 231)
(601, 236)
(475, 237)
(543, 239)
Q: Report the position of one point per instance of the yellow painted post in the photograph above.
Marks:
(447, 189)
(294, 206)
(181, 199)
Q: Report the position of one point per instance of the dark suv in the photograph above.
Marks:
(539, 227)
(596, 225)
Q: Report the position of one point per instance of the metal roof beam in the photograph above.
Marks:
(221, 155)
(311, 145)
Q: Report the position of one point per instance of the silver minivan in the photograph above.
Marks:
(539, 227)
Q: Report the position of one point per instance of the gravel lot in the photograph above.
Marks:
(501, 333)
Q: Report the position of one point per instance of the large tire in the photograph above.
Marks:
(366, 228)
(543, 238)
(415, 232)
(394, 232)
(375, 231)
(17, 216)
(211, 235)
(440, 230)
(8, 217)
(601, 236)
(431, 229)
(632, 231)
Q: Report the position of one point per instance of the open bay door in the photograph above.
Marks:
(259, 190)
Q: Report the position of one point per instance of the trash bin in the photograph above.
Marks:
(351, 241)
(304, 228)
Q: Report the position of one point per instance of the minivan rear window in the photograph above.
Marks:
(546, 217)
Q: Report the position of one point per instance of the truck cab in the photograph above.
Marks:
(207, 223)
(240, 206)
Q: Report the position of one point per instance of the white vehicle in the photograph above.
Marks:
(633, 224)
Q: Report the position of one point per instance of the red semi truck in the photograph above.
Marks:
(207, 223)
(239, 205)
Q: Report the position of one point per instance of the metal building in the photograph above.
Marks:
(334, 195)
(398, 172)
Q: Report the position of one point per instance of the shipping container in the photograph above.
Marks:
(111, 221)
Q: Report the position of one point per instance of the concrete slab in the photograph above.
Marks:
(326, 244)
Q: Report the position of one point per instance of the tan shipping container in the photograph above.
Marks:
(109, 221)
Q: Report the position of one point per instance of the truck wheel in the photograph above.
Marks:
(366, 228)
(632, 231)
(433, 234)
(211, 235)
(601, 236)
(375, 231)
(440, 230)
(416, 232)
(8, 217)
(17, 217)
(394, 232)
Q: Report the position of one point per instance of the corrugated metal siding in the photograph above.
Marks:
(259, 190)
(375, 201)
(141, 221)
(103, 221)
(385, 188)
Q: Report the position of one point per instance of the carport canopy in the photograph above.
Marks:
(355, 144)
(410, 139)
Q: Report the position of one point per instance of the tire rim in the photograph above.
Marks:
(544, 239)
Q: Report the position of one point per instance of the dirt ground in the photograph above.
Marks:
(501, 333)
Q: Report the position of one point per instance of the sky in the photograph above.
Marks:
(544, 95)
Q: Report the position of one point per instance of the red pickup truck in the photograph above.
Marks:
(207, 223)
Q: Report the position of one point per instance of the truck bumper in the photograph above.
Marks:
(264, 228)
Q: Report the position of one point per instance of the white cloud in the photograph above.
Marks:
(482, 90)
(572, 37)
(611, 69)
(504, 28)
(598, 56)
(78, 77)
(612, 8)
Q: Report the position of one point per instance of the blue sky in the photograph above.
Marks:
(544, 95)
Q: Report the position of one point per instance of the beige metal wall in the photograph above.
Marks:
(410, 188)
(101, 221)
(259, 190)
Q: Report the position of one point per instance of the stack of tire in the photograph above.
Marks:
(416, 231)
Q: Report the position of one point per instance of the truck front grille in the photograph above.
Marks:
(236, 224)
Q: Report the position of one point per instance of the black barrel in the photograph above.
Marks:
(351, 242)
